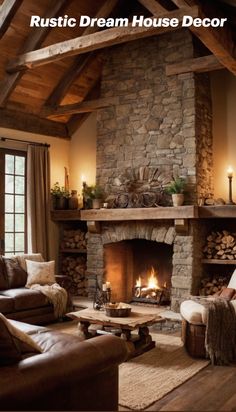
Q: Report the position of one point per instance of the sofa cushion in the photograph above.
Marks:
(232, 282)
(15, 274)
(14, 344)
(42, 273)
(26, 298)
(35, 257)
(227, 293)
(3, 277)
(193, 312)
(6, 304)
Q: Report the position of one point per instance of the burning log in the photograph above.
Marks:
(152, 291)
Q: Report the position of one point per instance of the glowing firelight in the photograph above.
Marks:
(152, 282)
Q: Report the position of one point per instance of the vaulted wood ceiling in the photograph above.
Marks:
(49, 77)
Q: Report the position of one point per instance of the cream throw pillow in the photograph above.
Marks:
(42, 273)
(22, 342)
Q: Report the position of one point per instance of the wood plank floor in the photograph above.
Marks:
(212, 389)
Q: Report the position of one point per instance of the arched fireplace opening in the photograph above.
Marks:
(139, 270)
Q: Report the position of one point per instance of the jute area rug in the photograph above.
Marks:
(147, 378)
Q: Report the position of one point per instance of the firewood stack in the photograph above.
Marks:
(209, 286)
(73, 239)
(221, 245)
(75, 268)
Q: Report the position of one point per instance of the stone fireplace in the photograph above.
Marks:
(161, 123)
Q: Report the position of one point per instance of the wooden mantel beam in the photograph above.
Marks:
(34, 40)
(8, 10)
(86, 106)
(218, 40)
(198, 65)
(91, 42)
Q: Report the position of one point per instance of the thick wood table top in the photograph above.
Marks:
(131, 322)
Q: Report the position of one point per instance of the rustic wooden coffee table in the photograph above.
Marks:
(137, 344)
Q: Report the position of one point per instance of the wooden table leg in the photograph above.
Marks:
(83, 330)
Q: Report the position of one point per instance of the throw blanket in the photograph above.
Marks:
(56, 295)
(220, 338)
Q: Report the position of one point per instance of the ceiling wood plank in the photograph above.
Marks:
(8, 10)
(16, 120)
(86, 106)
(91, 42)
(80, 62)
(198, 65)
(34, 40)
(152, 6)
(218, 41)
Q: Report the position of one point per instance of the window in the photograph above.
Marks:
(13, 204)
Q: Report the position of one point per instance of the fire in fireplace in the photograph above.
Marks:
(148, 290)
(139, 270)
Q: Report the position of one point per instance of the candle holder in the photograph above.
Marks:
(230, 201)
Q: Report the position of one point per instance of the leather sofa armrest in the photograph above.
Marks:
(66, 366)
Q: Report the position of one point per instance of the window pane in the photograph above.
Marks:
(8, 254)
(19, 185)
(19, 242)
(9, 184)
(19, 223)
(19, 204)
(20, 165)
(9, 203)
(9, 242)
(9, 164)
(9, 223)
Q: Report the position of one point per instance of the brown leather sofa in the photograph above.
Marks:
(69, 375)
(19, 303)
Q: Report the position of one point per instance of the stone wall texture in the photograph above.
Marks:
(159, 121)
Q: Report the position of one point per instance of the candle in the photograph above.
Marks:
(108, 285)
(104, 287)
(230, 172)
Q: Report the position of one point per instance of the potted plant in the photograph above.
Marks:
(176, 190)
(93, 196)
(60, 196)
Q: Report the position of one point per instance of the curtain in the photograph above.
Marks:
(38, 199)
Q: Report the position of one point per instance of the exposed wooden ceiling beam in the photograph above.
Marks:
(8, 10)
(86, 106)
(12, 119)
(80, 63)
(91, 42)
(34, 40)
(152, 6)
(218, 41)
(198, 65)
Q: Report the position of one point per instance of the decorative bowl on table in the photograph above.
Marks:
(117, 310)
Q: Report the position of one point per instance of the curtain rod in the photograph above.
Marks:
(3, 139)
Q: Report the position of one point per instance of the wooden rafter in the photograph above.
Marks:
(80, 62)
(198, 65)
(218, 41)
(34, 40)
(30, 123)
(87, 106)
(152, 6)
(91, 42)
(8, 10)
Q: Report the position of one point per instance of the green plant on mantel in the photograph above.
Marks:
(93, 192)
(59, 191)
(177, 186)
